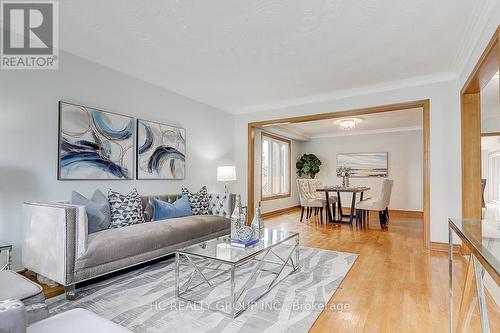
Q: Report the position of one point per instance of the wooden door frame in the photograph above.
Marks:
(470, 112)
(423, 104)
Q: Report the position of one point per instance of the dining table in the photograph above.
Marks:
(342, 189)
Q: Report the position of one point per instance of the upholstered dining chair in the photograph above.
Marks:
(483, 187)
(379, 204)
(314, 184)
(309, 201)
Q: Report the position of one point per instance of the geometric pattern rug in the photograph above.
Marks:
(144, 300)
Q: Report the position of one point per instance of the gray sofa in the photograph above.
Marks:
(57, 244)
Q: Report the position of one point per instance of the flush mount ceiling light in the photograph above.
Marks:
(348, 123)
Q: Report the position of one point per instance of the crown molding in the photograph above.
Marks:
(472, 35)
(288, 133)
(368, 132)
(345, 93)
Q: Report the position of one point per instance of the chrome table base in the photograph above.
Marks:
(214, 272)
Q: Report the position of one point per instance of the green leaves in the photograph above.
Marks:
(308, 164)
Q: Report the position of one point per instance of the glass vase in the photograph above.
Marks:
(258, 224)
(236, 218)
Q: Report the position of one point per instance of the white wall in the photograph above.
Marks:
(404, 161)
(28, 134)
(445, 160)
(276, 204)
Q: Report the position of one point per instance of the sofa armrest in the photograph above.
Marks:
(55, 235)
(221, 204)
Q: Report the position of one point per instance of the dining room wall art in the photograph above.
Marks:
(94, 144)
(161, 151)
(364, 164)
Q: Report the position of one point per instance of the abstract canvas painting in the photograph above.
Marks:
(94, 144)
(161, 151)
(364, 164)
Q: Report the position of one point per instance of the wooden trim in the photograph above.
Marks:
(424, 104)
(491, 134)
(276, 137)
(485, 68)
(406, 213)
(471, 155)
(427, 173)
(393, 212)
(289, 142)
(470, 98)
(341, 114)
(278, 212)
(443, 247)
(274, 197)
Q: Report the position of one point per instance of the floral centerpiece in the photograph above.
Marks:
(344, 172)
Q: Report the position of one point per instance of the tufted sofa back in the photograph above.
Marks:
(221, 204)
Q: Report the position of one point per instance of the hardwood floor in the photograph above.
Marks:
(395, 285)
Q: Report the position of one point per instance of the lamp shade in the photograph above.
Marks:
(226, 173)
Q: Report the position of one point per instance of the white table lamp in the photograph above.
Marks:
(226, 174)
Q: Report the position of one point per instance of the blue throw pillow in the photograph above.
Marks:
(165, 210)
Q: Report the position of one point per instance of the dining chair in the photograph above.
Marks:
(309, 201)
(314, 184)
(379, 204)
(483, 187)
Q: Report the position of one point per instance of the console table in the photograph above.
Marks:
(482, 237)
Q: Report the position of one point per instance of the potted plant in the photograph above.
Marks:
(308, 165)
(344, 172)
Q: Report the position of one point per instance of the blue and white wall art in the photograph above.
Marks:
(161, 151)
(94, 144)
(364, 164)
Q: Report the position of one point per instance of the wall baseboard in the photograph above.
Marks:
(443, 247)
(393, 212)
(346, 210)
(280, 212)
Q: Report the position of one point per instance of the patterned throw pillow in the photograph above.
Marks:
(198, 201)
(125, 209)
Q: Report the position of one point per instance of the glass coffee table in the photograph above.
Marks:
(215, 262)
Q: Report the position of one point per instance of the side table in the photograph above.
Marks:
(6, 247)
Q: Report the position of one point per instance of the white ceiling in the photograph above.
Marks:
(239, 54)
(394, 121)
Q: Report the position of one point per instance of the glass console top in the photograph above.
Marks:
(484, 236)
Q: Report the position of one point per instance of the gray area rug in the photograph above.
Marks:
(144, 300)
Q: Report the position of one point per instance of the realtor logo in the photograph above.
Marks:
(30, 35)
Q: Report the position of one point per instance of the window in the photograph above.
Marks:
(275, 167)
(494, 176)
